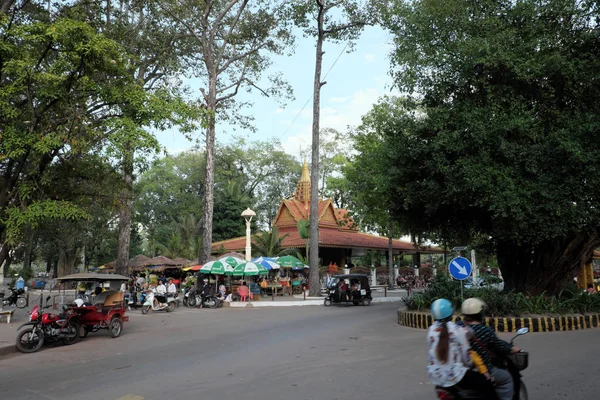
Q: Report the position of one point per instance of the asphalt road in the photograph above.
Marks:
(299, 353)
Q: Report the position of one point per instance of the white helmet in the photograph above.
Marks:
(473, 306)
(79, 302)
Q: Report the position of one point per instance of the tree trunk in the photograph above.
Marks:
(125, 213)
(548, 267)
(4, 250)
(30, 245)
(66, 260)
(391, 280)
(207, 216)
(315, 281)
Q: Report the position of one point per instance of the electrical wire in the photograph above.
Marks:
(311, 96)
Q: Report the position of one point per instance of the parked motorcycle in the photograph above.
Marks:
(515, 364)
(16, 297)
(163, 303)
(211, 301)
(186, 296)
(47, 327)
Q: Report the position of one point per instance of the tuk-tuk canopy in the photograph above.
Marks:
(93, 277)
(361, 278)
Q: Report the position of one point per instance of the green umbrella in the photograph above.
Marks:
(233, 261)
(290, 262)
(216, 268)
(249, 269)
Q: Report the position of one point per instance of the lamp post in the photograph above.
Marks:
(248, 214)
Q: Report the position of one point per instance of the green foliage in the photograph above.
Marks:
(502, 142)
(506, 304)
(268, 244)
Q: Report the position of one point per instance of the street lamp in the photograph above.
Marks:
(248, 214)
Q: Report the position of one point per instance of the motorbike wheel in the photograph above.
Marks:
(171, 307)
(185, 301)
(355, 303)
(365, 302)
(327, 302)
(29, 341)
(210, 302)
(523, 392)
(145, 309)
(115, 327)
(21, 302)
(192, 302)
(73, 332)
(177, 303)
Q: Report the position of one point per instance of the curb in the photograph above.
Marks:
(421, 320)
(301, 303)
(7, 349)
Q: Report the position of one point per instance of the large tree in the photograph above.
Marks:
(335, 21)
(236, 38)
(507, 143)
(368, 184)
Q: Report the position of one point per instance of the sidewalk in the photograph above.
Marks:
(379, 296)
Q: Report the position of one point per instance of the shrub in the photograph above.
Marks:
(569, 301)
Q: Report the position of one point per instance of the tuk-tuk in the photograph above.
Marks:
(105, 310)
(351, 288)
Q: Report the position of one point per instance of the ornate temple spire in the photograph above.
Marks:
(302, 192)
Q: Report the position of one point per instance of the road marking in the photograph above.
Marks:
(130, 397)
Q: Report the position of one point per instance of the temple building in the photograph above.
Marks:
(339, 236)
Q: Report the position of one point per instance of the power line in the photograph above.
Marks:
(311, 96)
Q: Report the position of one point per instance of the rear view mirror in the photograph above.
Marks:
(48, 299)
(522, 331)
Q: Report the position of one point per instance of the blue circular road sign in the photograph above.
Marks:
(460, 268)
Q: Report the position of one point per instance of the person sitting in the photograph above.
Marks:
(243, 291)
(171, 288)
(222, 291)
(590, 288)
(449, 359)
(254, 289)
(488, 346)
(344, 290)
(161, 289)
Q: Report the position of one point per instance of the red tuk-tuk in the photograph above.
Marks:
(104, 310)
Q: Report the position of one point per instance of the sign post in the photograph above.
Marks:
(460, 269)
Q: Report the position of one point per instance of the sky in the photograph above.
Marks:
(355, 82)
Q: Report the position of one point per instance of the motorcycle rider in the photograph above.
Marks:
(205, 290)
(449, 360)
(489, 347)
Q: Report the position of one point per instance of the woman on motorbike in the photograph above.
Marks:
(489, 347)
(450, 363)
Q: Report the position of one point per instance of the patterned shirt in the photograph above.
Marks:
(459, 360)
(488, 338)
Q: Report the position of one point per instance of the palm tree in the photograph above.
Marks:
(268, 244)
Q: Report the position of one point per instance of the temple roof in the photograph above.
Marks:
(329, 237)
(336, 227)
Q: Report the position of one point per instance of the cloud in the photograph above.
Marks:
(279, 110)
(337, 116)
(338, 99)
(369, 57)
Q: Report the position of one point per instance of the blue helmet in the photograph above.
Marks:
(441, 309)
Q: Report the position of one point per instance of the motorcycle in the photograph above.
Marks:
(211, 301)
(186, 296)
(164, 303)
(46, 327)
(515, 363)
(174, 296)
(16, 298)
